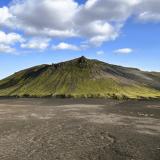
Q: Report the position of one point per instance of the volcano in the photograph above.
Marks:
(82, 77)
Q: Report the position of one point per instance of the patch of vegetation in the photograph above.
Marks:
(82, 78)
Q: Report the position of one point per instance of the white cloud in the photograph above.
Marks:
(4, 15)
(40, 44)
(66, 46)
(6, 49)
(149, 16)
(62, 18)
(10, 38)
(148, 10)
(124, 51)
(7, 40)
(53, 17)
(99, 32)
(96, 21)
(100, 52)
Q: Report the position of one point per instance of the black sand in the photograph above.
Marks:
(66, 129)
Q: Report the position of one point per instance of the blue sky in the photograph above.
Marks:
(129, 37)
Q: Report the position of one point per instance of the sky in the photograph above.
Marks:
(121, 32)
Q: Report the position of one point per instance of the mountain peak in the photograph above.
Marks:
(82, 59)
(82, 62)
(82, 77)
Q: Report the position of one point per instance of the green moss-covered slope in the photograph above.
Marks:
(82, 77)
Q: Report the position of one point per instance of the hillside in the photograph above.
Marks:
(82, 77)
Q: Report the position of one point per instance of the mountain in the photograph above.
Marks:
(82, 77)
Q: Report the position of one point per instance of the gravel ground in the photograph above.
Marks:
(83, 129)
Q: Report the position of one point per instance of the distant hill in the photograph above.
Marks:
(82, 77)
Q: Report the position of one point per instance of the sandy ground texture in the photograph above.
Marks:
(67, 129)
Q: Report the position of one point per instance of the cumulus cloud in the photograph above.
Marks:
(6, 49)
(124, 51)
(96, 21)
(4, 15)
(149, 10)
(63, 18)
(99, 32)
(101, 20)
(45, 16)
(149, 16)
(10, 38)
(40, 44)
(65, 46)
(107, 10)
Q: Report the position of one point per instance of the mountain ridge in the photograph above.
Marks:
(82, 77)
